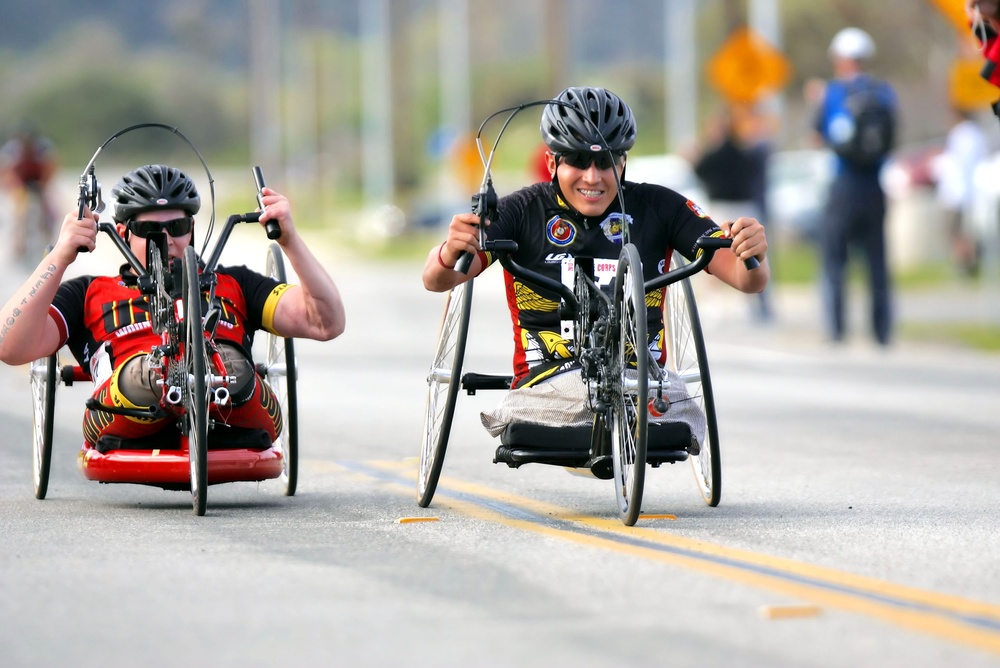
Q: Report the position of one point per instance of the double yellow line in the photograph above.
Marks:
(952, 618)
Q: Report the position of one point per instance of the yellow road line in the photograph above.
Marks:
(950, 617)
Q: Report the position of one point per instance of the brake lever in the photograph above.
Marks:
(484, 205)
(90, 196)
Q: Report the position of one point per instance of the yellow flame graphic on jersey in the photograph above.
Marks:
(527, 299)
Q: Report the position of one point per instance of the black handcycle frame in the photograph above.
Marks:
(602, 326)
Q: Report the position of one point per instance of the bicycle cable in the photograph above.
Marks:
(96, 196)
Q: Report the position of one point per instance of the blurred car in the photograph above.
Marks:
(911, 168)
(668, 170)
(798, 182)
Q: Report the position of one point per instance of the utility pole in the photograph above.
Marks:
(265, 89)
(681, 84)
(376, 104)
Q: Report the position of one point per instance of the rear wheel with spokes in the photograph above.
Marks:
(196, 397)
(43, 374)
(280, 373)
(443, 383)
(629, 373)
(686, 357)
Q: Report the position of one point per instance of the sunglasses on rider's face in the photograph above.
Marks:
(177, 227)
(583, 159)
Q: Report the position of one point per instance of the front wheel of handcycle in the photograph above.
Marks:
(196, 397)
(629, 367)
(443, 383)
(43, 373)
(280, 373)
(686, 357)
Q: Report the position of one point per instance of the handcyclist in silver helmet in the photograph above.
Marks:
(589, 132)
(104, 320)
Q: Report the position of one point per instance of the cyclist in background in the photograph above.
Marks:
(576, 212)
(104, 320)
(27, 168)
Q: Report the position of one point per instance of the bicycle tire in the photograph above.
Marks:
(43, 374)
(629, 416)
(686, 356)
(281, 373)
(443, 380)
(196, 397)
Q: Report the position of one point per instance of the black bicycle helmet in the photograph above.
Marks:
(153, 187)
(597, 116)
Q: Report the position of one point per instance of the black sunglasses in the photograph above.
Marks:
(583, 159)
(177, 227)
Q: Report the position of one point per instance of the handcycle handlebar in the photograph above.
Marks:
(505, 248)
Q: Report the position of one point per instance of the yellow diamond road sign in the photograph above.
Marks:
(747, 67)
(954, 11)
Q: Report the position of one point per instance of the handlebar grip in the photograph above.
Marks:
(272, 226)
(79, 216)
(464, 262)
(751, 263)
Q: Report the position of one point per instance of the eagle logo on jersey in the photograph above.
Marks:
(613, 227)
(560, 232)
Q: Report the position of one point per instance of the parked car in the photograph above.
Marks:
(797, 185)
(668, 170)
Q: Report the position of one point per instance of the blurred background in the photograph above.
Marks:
(365, 111)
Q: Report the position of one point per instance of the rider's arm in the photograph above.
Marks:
(439, 269)
(749, 240)
(312, 309)
(27, 332)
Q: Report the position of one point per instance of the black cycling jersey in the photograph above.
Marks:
(547, 231)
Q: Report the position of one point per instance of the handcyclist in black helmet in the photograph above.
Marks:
(589, 132)
(104, 320)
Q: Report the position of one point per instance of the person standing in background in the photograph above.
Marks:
(954, 172)
(733, 171)
(857, 119)
(27, 168)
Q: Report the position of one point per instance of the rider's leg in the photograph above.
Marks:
(253, 404)
(130, 386)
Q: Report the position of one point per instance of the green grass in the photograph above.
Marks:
(798, 265)
(977, 336)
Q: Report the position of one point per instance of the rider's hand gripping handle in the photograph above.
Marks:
(272, 227)
(484, 205)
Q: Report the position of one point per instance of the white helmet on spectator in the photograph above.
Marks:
(852, 44)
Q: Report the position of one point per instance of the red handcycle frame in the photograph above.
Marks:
(193, 464)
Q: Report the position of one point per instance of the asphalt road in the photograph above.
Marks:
(857, 527)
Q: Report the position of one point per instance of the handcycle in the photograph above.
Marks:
(188, 367)
(625, 383)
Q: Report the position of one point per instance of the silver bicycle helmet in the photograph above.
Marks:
(595, 116)
(153, 187)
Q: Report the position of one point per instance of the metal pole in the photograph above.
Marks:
(376, 101)
(681, 83)
(265, 76)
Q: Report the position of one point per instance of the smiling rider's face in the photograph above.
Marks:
(590, 191)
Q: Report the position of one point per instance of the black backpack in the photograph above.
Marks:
(874, 125)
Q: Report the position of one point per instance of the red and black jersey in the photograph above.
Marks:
(547, 231)
(93, 310)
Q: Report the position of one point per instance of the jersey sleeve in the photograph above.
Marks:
(511, 213)
(262, 294)
(67, 308)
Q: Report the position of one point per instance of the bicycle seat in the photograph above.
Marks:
(526, 443)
